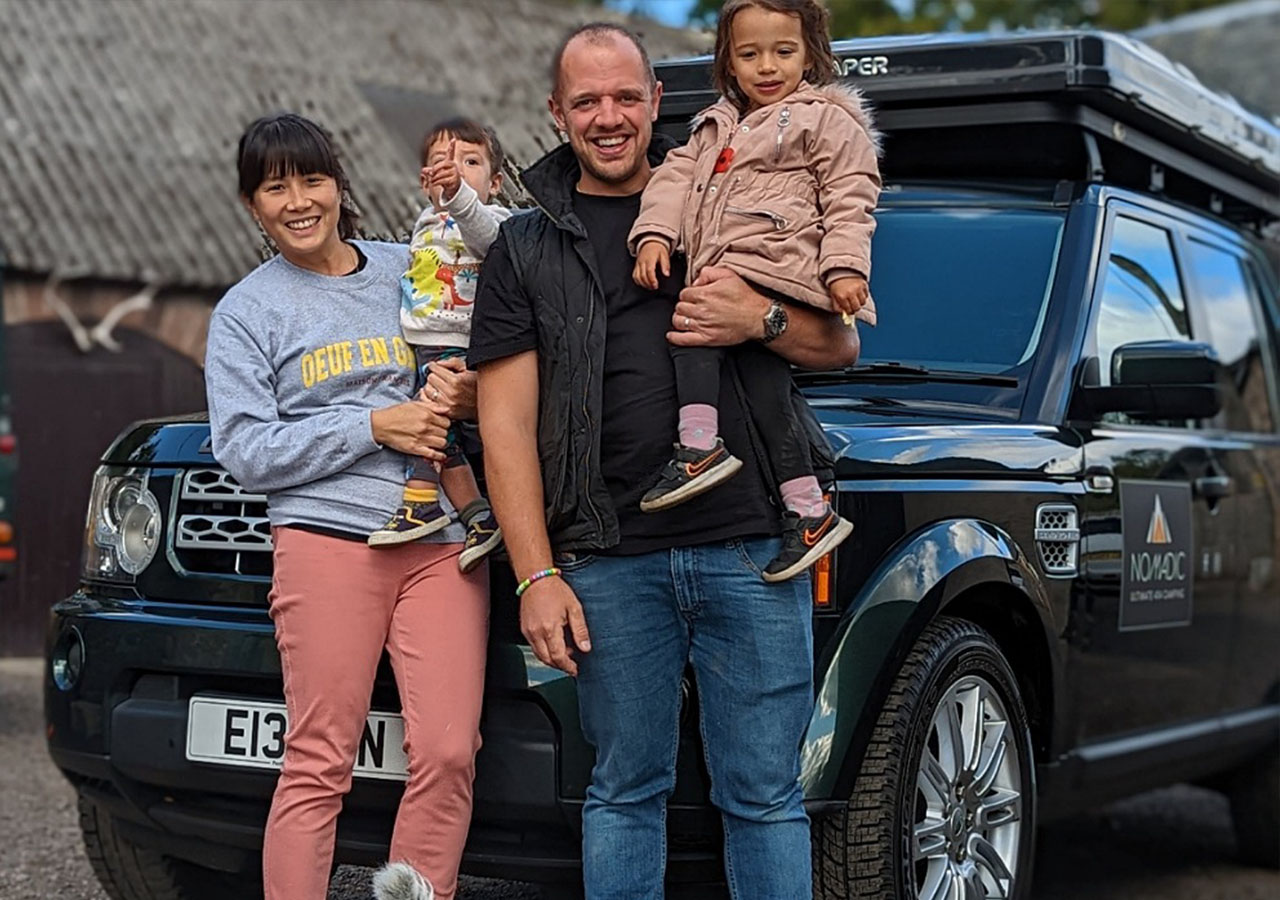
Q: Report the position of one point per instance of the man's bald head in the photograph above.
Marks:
(599, 34)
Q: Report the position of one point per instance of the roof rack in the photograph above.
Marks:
(1081, 105)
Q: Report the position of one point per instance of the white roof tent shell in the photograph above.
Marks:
(1061, 104)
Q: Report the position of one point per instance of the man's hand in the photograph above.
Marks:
(451, 389)
(718, 310)
(413, 428)
(848, 295)
(652, 256)
(442, 180)
(547, 609)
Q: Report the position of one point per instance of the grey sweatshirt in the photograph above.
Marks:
(296, 362)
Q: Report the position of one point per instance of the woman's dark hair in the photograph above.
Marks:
(468, 130)
(289, 144)
(814, 29)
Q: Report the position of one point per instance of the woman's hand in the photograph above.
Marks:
(451, 389)
(718, 310)
(413, 428)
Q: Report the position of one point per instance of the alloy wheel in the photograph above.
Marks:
(969, 804)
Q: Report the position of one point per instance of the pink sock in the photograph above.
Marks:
(803, 496)
(699, 426)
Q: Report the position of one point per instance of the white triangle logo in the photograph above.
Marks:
(1158, 530)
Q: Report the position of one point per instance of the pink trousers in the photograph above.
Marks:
(336, 604)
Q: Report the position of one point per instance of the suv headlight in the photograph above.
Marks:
(122, 529)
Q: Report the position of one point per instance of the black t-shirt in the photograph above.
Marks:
(640, 410)
(640, 407)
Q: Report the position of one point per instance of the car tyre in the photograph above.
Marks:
(1254, 793)
(922, 818)
(128, 871)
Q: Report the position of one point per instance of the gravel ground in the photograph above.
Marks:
(1172, 844)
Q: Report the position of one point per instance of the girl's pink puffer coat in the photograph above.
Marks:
(792, 208)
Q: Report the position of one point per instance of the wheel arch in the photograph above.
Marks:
(1010, 617)
(968, 568)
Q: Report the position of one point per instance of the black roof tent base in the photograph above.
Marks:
(1045, 140)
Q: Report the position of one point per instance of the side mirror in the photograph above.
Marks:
(1157, 380)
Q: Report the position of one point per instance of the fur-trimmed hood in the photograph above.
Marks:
(848, 97)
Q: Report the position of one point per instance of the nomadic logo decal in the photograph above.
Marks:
(1156, 578)
(1158, 530)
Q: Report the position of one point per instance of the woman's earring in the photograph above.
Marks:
(266, 247)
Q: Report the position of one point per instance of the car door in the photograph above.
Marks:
(1152, 625)
(1229, 291)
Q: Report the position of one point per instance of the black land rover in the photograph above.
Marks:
(1062, 447)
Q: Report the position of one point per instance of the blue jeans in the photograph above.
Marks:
(751, 647)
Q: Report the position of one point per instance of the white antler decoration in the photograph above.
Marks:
(101, 333)
(55, 302)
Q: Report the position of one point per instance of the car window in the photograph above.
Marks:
(937, 302)
(1264, 288)
(1141, 296)
(1224, 293)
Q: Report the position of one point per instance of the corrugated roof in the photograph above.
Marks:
(119, 118)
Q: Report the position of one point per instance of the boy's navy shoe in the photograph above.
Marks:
(689, 473)
(805, 540)
(483, 535)
(410, 522)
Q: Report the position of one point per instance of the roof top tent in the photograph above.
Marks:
(1076, 105)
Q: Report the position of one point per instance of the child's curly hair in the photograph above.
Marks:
(814, 27)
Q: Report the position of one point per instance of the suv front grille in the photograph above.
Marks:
(220, 528)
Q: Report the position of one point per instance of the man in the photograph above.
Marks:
(577, 405)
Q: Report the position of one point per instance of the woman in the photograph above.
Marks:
(310, 388)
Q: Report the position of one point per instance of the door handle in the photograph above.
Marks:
(1213, 487)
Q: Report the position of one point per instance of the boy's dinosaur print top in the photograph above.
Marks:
(439, 286)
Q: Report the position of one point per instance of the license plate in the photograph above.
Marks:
(250, 733)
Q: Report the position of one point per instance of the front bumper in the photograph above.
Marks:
(119, 734)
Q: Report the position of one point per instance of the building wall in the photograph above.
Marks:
(67, 405)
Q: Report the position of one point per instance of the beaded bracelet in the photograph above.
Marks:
(536, 576)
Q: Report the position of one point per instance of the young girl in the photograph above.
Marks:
(778, 183)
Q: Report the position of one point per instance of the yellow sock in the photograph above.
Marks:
(420, 495)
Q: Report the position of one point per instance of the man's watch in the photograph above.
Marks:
(775, 322)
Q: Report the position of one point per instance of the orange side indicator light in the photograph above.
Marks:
(822, 583)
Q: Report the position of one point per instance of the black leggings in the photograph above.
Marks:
(766, 383)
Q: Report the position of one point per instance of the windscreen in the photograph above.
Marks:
(960, 288)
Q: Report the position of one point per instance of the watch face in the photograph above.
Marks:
(775, 322)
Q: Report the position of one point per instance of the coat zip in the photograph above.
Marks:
(784, 119)
(779, 223)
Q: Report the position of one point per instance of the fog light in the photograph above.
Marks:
(67, 662)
